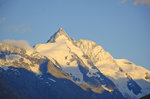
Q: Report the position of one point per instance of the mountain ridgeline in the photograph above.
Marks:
(64, 68)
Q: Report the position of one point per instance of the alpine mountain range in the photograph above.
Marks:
(63, 68)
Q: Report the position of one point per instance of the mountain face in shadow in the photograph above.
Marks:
(146, 97)
(19, 83)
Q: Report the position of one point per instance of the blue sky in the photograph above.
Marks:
(121, 27)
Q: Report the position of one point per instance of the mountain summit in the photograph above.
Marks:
(59, 33)
(71, 55)
(66, 69)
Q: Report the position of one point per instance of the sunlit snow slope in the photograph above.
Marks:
(132, 81)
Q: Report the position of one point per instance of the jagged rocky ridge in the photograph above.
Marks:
(67, 69)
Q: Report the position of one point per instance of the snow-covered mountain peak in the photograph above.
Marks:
(60, 34)
(84, 62)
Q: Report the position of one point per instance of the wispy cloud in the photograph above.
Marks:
(22, 28)
(18, 43)
(123, 1)
(135, 2)
(27, 29)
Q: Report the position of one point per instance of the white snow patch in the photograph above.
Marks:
(93, 73)
(26, 60)
(74, 73)
(5, 67)
(35, 68)
(52, 80)
(110, 90)
(12, 57)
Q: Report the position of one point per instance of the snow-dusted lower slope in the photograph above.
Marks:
(132, 81)
(11, 55)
